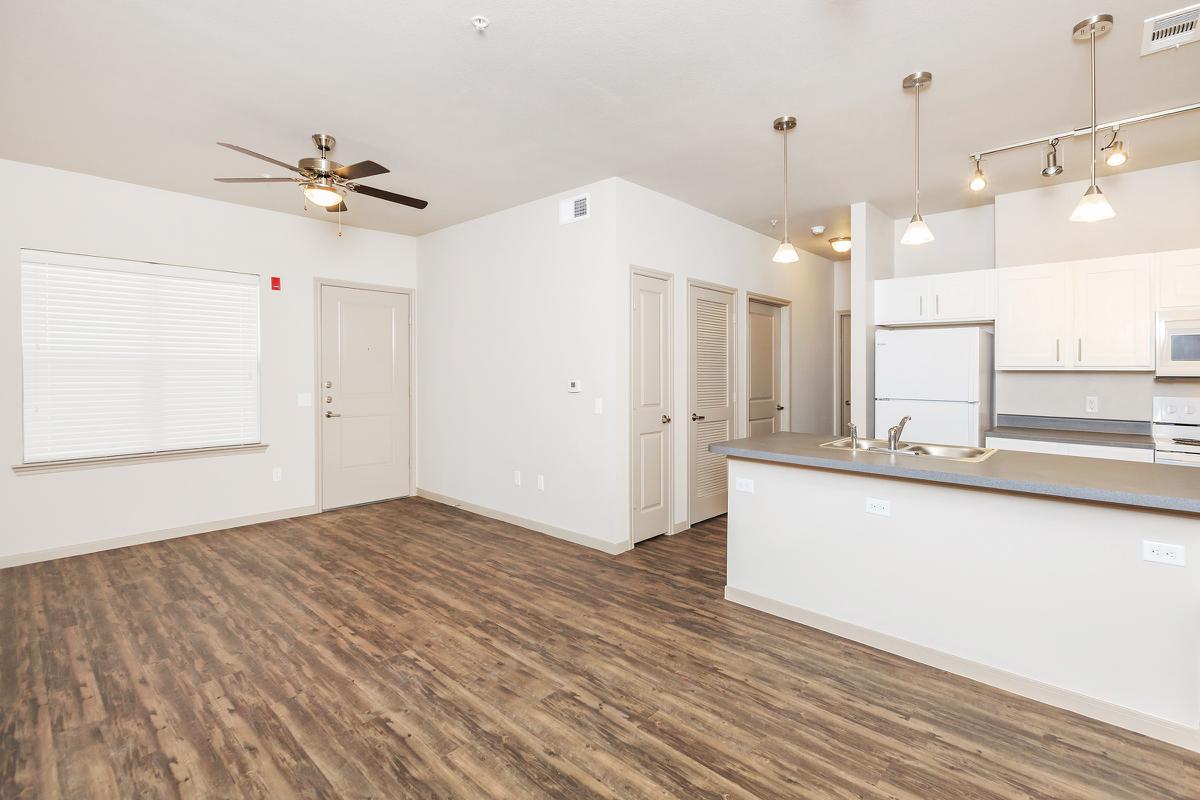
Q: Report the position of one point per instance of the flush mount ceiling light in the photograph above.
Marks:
(1093, 206)
(1052, 168)
(1117, 154)
(978, 181)
(841, 244)
(786, 254)
(917, 231)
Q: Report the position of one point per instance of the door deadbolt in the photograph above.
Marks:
(328, 384)
(328, 399)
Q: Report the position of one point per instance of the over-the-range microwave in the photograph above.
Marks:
(1178, 343)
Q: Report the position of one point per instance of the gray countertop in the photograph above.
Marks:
(1127, 483)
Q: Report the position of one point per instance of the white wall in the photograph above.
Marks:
(1157, 209)
(513, 306)
(963, 240)
(76, 213)
(661, 233)
(519, 305)
(841, 286)
(871, 259)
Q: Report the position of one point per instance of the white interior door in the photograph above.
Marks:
(712, 395)
(650, 388)
(765, 396)
(364, 396)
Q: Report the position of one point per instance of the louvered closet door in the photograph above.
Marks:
(711, 398)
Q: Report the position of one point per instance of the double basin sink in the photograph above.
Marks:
(947, 451)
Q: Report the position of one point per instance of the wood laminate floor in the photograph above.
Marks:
(409, 649)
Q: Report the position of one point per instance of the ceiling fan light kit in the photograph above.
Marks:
(324, 181)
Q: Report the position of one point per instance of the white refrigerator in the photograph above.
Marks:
(941, 377)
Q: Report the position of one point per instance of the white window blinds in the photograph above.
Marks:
(123, 357)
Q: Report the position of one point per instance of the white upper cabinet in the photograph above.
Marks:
(964, 296)
(1033, 316)
(1086, 315)
(901, 301)
(1178, 278)
(1114, 314)
(926, 299)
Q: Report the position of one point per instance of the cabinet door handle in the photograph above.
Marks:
(921, 306)
(937, 304)
(1081, 349)
(1058, 350)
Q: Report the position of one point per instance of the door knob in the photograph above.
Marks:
(779, 408)
(666, 419)
(328, 399)
(329, 414)
(846, 402)
(696, 417)
(328, 384)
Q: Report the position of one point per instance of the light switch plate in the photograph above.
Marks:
(598, 406)
(277, 474)
(516, 477)
(541, 483)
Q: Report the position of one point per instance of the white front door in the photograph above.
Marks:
(650, 385)
(766, 368)
(364, 396)
(711, 398)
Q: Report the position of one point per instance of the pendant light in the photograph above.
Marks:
(917, 231)
(786, 254)
(1093, 206)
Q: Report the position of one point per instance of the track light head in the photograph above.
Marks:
(978, 180)
(1052, 168)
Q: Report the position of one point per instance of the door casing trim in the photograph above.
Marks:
(318, 284)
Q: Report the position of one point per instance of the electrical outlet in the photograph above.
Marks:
(277, 474)
(1092, 404)
(541, 483)
(744, 485)
(1164, 553)
(882, 508)
(516, 477)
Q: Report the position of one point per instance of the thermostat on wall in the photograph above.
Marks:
(573, 386)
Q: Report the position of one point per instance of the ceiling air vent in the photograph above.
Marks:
(573, 209)
(1171, 30)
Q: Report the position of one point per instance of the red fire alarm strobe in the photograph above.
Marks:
(274, 283)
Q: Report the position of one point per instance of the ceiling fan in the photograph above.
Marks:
(326, 182)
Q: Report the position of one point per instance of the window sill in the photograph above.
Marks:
(134, 458)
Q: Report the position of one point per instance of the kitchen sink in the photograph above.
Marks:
(947, 451)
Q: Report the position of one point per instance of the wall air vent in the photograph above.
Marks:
(573, 209)
(1174, 29)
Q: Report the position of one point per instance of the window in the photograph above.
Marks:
(124, 357)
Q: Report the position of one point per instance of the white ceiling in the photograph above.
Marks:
(675, 96)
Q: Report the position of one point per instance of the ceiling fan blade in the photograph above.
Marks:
(253, 154)
(340, 207)
(363, 169)
(391, 197)
(255, 180)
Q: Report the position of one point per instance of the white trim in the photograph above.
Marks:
(135, 458)
(318, 284)
(603, 545)
(680, 527)
(1140, 722)
(83, 548)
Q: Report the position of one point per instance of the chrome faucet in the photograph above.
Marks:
(894, 433)
(850, 426)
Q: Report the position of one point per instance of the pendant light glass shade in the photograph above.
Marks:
(786, 254)
(917, 231)
(1092, 207)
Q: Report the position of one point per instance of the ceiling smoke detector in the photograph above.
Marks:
(480, 23)
(1173, 29)
(817, 230)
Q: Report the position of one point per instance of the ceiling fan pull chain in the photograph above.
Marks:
(340, 221)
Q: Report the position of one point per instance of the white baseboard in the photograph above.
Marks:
(612, 548)
(680, 527)
(1147, 724)
(83, 548)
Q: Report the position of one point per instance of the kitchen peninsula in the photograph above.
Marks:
(1026, 571)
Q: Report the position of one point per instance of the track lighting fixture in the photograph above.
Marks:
(840, 244)
(1093, 206)
(917, 231)
(978, 180)
(1052, 168)
(1117, 154)
(786, 254)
